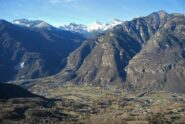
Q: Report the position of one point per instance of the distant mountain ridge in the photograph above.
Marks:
(95, 27)
(75, 28)
(34, 51)
(33, 24)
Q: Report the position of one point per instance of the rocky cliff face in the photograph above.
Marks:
(160, 64)
(102, 60)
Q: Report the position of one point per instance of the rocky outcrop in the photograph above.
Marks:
(161, 63)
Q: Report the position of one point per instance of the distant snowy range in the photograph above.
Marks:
(86, 30)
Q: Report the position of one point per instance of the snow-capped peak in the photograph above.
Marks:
(75, 27)
(22, 22)
(43, 25)
(114, 23)
(94, 27)
(32, 23)
(97, 26)
(80, 28)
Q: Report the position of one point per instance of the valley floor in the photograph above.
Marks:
(95, 105)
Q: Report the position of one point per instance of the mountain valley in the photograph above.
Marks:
(124, 72)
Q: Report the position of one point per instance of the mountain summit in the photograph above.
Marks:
(95, 27)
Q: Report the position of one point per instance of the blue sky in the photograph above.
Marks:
(58, 12)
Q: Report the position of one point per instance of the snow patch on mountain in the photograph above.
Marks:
(19, 66)
(43, 25)
(75, 28)
(114, 23)
(20, 23)
(95, 27)
(32, 23)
